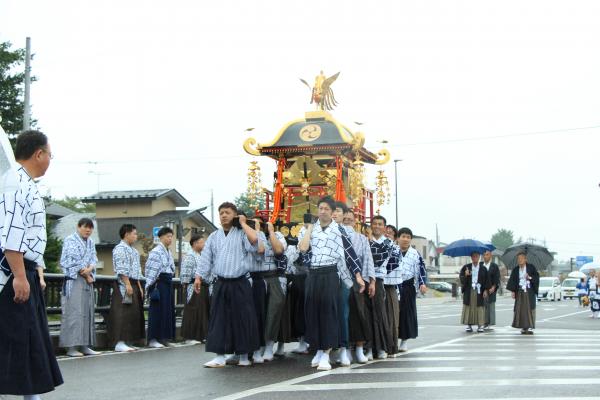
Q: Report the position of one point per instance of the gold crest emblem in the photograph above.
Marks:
(310, 132)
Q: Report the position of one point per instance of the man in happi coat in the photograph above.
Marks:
(160, 269)
(328, 250)
(78, 262)
(384, 252)
(360, 329)
(269, 278)
(410, 275)
(475, 283)
(125, 324)
(194, 325)
(227, 254)
(28, 366)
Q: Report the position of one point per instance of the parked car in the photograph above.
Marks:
(549, 289)
(568, 288)
(440, 286)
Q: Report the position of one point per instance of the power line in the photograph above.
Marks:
(202, 157)
(477, 139)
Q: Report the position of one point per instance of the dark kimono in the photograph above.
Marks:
(525, 298)
(473, 300)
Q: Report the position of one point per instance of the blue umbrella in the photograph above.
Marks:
(465, 247)
(490, 246)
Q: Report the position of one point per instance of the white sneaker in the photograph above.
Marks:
(192, 342)
(257, 358)
(403, 346)
(73, 352)
(324, 363)
(89, 352)
(344, 361)
(280, 349)
(29, 397)
(155, 344)
(349, 355)
(268, 354)
(121, 347)
(360, 356)
(217, 362)
(381, 354)
(370, 355)
(244, 362)
(317, 359)
(302, 348)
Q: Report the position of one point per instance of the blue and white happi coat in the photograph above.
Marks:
(191, 262)
(227, 256)
(360, 243)
(126, 262)
(331, 246)
(160, 261)
(268, 261)
(77, 254)
(23, 221)
(385, 256)
(409, 266)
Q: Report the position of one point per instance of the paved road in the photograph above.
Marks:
(560, 361)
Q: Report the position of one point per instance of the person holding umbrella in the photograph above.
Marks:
(524, 282)
(475, 282)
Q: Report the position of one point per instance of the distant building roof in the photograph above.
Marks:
(137, 195)
(57, 211)
(109, 227)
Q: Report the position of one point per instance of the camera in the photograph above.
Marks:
(309, 218)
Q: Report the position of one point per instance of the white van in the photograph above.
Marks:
(549, 289)
(568, 288)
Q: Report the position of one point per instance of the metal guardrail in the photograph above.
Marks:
(103, 294)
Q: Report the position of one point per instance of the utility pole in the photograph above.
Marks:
(571, 263)
(396, 184)
(212, 207)
(27, 107)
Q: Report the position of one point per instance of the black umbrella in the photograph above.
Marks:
(537, 255)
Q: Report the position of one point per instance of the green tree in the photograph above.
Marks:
(74, 203)
(243, 203)
(503, 239)
(12, 79)
(53, 249)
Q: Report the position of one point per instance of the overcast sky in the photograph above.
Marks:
(492, 106)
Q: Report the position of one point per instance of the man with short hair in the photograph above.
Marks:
(490, 301)
(326, 249)
(524, 283)
(125, 324)
(383, 251)
(410, 274)
(28, 365)
(160, 269)
(227, 254)
(475, 284)
(346, 283)
(360, 330)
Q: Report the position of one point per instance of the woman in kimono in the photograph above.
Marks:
(524, 282)
(78, 262)
(194, 326)
(475, 282)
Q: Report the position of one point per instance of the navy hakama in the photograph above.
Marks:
(27, 362)
(321, 308)
(161, 313)
(232, 328)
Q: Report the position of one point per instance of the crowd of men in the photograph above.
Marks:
(341, 293)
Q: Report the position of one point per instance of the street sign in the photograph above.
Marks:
(155, 233)
(580, 260)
